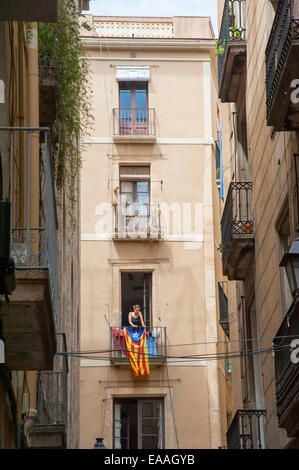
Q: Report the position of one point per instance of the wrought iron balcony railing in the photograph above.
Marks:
(137, 220)
(246, 430)
(52, 402)
(287, 371)
(232, 32)
(237, 228)
(136, 122)
(156, 345)
(282, 63)
(33, 239)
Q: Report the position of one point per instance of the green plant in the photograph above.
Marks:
(235, 32)
(220, 247)
(220, 47)
(60, 47)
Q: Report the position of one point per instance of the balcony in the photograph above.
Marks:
(231, 50)
(134, 125)
(156, 347)
(282, 68)
(29, 317)
(50, 430)
(287, 372)
(237, 231)
(246, 430)
(137, 222)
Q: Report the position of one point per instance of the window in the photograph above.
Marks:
(134, 210)
(133, 104)
(136, 288)
(138, 423)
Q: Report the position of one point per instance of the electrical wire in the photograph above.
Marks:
(102, 351)
(206, 357)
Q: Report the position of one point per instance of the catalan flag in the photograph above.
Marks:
(137, 349)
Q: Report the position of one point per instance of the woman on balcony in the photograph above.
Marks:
(136, 318)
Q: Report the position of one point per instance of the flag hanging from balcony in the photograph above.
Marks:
(137, 349)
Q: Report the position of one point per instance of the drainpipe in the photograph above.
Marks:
(21, 118)
(21, 195)
(20, 389)
(33, 121)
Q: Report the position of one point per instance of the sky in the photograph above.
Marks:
(156, 8)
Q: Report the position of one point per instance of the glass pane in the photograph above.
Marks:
(140, 85)
(150, 442)
(151, 410)
(125, 102)
(140, 114)
(126, 187)
(143, 198)
(117, 443)
(125, 99)
(124, 444)
(125, 115)
(140, 101)
(117, 411)
(126, 198)
(142, 186)
(120, 426)
(140, 98)
(124, 413)
(150, 426)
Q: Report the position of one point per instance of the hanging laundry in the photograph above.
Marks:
(137, 349)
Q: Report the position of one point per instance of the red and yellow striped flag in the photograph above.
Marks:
(137, 349)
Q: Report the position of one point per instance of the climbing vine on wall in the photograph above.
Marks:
(61, 50)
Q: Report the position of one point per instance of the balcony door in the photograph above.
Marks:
(138, 423)
(136, 288)
(134, 211)
(133, 104)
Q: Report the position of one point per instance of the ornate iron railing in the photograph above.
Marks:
(52, 401)
(232, 30)
(286, 370)
(246, 430)
(285, 28)
(33, 246)
(136, 219)
(134, 121)
(237, 218)
(156, 343)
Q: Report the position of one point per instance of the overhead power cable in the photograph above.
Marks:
(216, 356)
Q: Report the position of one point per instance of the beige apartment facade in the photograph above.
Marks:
(39, 300)
(258, 68)
(148, 235)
